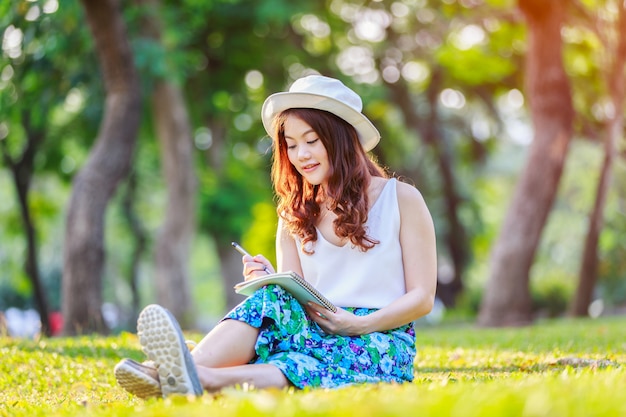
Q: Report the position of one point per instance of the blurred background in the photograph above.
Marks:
(133, 151)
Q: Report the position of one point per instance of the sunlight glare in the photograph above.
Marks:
(515, 99)
(68, 164)
(520, 132)
(315, 26)
(356, 60)
(51, 6)
(603, 110)
(243, 122)
(203, 138)
(7, 73)
(371, 25)
(391, 74)
(33, 13)
(399, 9)
(452, 99)
(415, 72)
(347, 12)
(468, 37)
(254, 79)
(12, 42)
(74, 101)
(480, 129)
(4, 130)
(425, 16)
(596, 308)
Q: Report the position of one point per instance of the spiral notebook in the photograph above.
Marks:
(302, 290)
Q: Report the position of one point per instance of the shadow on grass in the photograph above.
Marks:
(538, 368)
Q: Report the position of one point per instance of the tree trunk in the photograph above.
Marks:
(140, 235)
(230, 260)
(108, 163)
(588, 274)
(176, 234)
(455, 236)
(507, 300)
(22, 171)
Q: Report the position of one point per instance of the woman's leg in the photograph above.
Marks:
(222, 359)
(230, 343)
(258, 376)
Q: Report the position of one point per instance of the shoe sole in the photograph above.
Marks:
(162, 341)
(136, 382)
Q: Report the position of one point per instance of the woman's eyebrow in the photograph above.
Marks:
(303, 134)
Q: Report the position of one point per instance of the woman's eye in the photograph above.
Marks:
(291, 146)
(311, 142)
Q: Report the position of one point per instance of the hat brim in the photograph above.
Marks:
(279, 102)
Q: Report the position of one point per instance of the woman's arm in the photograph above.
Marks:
(287, 258)
(419, 258)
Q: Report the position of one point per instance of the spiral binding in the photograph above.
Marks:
(323, 300)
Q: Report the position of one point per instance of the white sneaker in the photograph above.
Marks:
(140, 379)
(163, 342)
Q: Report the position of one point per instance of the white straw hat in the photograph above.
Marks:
(322, 93)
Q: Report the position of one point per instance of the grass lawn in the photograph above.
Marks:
(555, 368)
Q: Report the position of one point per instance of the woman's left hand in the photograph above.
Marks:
(341, 322)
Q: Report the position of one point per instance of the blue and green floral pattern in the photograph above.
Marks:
(309, 357)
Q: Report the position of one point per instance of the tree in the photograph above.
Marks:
(108, 163)
(22, 166)
(455, 239)
(174, 238)
(236, 39)
(140, 236)
(22, 169)
(418, 58)
(506, 300)
(35, 82)
(613, 37)
(173, 129)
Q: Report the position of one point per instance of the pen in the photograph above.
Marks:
(239, 249)
(242, 251)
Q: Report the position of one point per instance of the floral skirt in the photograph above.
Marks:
(309, 357)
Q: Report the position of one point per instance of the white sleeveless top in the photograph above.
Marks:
(349, 277)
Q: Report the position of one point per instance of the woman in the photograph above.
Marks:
(364, 240)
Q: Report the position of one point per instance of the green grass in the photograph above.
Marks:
(555, 368)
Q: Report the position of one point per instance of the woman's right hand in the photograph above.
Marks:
(256, 266)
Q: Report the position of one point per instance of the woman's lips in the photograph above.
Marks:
(309, 167)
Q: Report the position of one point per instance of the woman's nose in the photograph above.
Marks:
(303, 153)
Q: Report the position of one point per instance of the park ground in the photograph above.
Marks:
(555, 368)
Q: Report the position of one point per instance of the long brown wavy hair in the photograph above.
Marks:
(346, 191)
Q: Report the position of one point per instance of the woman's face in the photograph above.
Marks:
(306, 151)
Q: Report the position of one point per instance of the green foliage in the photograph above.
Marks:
(210, 47)
(277, 11)
(206, 280)
(612, 246)
(473, 66)
(262, 232)
(565, 368)
(550, 297)
(15, 292)
(226, 203)
(53, 60)
(554, 275)
(46, 198)
(150, 58)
